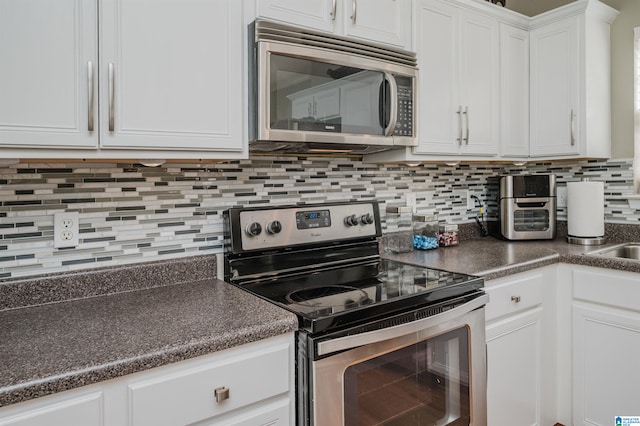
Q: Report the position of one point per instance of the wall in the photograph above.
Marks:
(622, 82)
(130, 213)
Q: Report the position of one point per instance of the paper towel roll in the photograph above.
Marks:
(585, 209)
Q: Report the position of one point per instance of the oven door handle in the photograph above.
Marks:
(356, 340)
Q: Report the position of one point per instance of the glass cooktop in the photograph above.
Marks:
(348, 295)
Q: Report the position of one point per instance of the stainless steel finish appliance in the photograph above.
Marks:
(380, 341)
(528, 207)
(315, 93)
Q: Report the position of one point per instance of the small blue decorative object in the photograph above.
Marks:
(423, 242)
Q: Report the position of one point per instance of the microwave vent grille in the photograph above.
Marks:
(270, 31)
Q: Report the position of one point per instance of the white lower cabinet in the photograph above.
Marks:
(520, 368)
(254, 384)
(73, 408)
(606, 345)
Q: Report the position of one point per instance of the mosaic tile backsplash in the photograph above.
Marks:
(130, 213)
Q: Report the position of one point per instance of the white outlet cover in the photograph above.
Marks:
(66, 230)
(471, 203)
(561, 196)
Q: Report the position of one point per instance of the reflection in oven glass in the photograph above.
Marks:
(422, 384)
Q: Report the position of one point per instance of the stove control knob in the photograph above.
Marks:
(274, 227)
(351, 220)
(254, 229)
(366, 219)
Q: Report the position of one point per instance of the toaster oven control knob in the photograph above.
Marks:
(351, 220)
(274, 227)
(254, 229)
(366, 219)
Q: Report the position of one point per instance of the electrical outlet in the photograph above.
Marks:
(66, 229)
(471, 203)
(561, 196)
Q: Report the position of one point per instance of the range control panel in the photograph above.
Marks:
(271, 228)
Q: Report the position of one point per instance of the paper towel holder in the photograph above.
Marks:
(586, 241)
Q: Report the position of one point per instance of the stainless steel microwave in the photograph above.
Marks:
(313, 93)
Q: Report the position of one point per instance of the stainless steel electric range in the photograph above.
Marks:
(380, 342)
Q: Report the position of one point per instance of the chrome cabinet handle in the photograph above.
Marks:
(111, 97)
(221, 394)
(90, 95)
(515, 299)
(573, 130)
(466, 115)
(459, 112)
(393, 89)
(333, 10)
(354, 10)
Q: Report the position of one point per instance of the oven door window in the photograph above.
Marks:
(531, 220)
(309, 95)
(426, 383)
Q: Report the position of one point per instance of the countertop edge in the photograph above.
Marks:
(504, 271)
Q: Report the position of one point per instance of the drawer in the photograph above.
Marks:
(187, 395)
(607, 287)
(85, 410)
(512, 295)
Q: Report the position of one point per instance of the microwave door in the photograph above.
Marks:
(309, 95)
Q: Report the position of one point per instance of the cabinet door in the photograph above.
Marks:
(316, 14)
(514, 91)
(606, 348)
(436, 45)
(383, 21)
(555, 82)
(479, 84)
(85, 410)
(172, 75)
(514, 358)
(47, 49)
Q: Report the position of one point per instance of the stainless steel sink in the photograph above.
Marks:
(624, 251)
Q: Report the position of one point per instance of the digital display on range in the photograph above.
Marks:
(313, 219)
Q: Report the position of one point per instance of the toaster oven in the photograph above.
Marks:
(527, 207)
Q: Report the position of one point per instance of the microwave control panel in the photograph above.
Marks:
(404, 124)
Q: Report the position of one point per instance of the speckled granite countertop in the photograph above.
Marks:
(493, 258)
(61, 345)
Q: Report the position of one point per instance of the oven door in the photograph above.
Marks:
(427, 372)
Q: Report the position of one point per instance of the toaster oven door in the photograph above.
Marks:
(528, 218)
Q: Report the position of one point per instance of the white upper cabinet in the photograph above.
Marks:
(379, 21)
(384, 21)
(316, 14)
(48, 50)
(514, 91)
(458, 82)
(166, 83)
(570, 81)
(171, 79)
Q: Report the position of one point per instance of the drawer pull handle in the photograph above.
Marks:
(221, 394)
(515, 299)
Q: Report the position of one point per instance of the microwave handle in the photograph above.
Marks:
(393, 92)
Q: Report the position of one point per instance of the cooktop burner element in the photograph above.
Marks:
(327, 300)
(324, 265)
